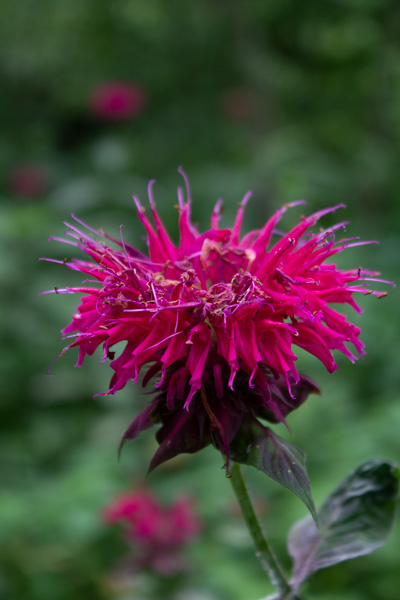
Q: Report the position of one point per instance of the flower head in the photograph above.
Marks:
(214, 321)
(117, 101)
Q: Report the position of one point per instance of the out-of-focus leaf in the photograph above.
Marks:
(259, 447)
(355, 520)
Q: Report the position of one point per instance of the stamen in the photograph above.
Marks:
(379, 280)
(185, 177)
(181, 198)
(95, 231)
(123, 246)
(63, 240)
(325, 211)
(150, 193)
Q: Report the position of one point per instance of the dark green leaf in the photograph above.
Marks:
(259, 447)
(355, 520)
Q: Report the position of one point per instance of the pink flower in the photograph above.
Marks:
(157, 534)
(217, 319)
(117, 101)
(132, 508)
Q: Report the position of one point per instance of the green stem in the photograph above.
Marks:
(263, 550)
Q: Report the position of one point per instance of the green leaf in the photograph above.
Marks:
(259, 447)
(355, 520)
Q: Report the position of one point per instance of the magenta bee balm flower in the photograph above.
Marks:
(214, 322)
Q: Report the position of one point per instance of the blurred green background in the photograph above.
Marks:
(289, 99)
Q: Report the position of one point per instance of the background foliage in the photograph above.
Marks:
(293, 100)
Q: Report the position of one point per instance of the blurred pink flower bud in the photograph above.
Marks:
(156, 533)
(117, 101)
(130, 507)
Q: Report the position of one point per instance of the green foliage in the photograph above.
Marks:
(318, 117)
(355, 520)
